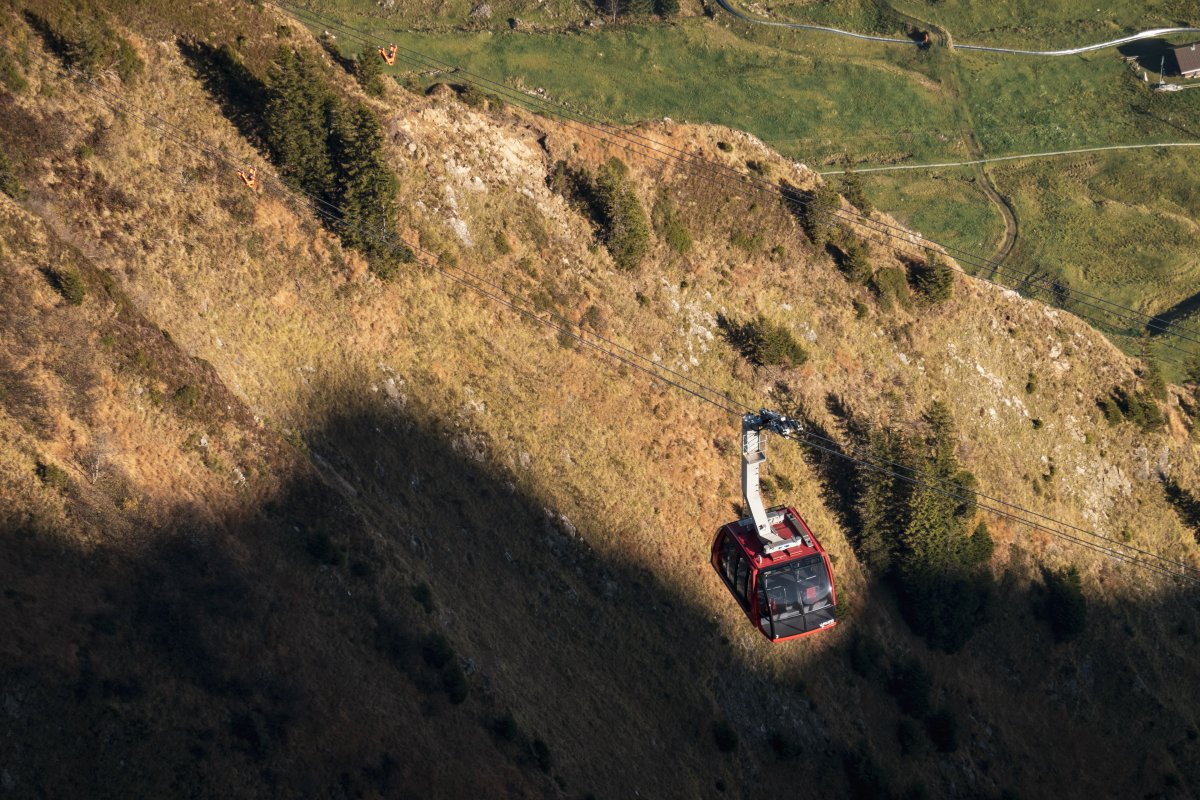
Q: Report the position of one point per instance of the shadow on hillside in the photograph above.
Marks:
(280, 651)
(277, 650)
(1153, 55)
(240, 95)
(1179, 314)
(348, 65)
(54, 42)
(1185, 503)
(837, 472)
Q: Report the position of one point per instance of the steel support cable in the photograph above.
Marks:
(956, 491)
(335, 216)
(338, 219)
(1189, 575)
(1102, 305)
(332, 213)
(886, 229)
(633, 139)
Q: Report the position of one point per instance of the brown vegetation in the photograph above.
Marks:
(226, 470)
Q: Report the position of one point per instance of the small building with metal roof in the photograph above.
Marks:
(1187, 60)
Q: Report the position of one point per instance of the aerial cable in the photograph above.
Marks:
(337, 219)
(634, 139)
(879, 227)
(956, 491)
(332, 213)
(1185, 572)
(1102, 305)
(1023, 281)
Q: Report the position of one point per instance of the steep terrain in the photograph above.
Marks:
(274, 526)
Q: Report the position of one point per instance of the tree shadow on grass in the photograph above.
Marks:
(277, 649)
(418, 587)
(1151, 55)
(239, 93)
(1185, 503)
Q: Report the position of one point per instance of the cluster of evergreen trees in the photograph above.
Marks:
(932, 280)
(763, 342)
(332, 149)
(922, 536)
(610, 200)
(627, 232)
(81, 36)
(629, 8)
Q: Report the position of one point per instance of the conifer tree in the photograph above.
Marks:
(368, 70)
(856, 259)
(627, 232)
(365, 188)
(817, 214)
(933, 279)
(333, 151)
(917, 534)
(883, 504)
(296, 118)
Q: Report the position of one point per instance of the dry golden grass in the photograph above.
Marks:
(300, 333)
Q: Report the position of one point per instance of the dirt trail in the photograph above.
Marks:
(1071, 51)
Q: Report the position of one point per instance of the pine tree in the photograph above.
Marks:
(856, 260)
(817, 214)
(296, 118)
(944, 592)
(666, 8)
(933, 279)
(366, 190)
(332, 150)
(627, 233)
(883, 504)
(368, 70)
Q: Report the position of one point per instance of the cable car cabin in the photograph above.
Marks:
(784, 586)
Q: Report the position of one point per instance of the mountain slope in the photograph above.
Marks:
(249, 616)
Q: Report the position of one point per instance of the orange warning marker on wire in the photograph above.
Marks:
(250, 178)
(388, 55)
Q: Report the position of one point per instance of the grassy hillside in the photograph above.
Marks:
(333, 535)
(820, 99)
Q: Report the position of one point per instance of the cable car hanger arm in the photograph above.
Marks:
(755, 427)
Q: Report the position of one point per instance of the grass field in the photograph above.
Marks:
(946, 206)
(442, 13)
(1118, 225)
(1041, 24)
(1023, 24)
(805, 106)
(1020, 105)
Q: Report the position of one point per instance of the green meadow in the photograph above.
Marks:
(1119, 225)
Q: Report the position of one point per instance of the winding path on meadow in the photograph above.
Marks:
(1001, 203)
(1047, 154)
(1071, 51)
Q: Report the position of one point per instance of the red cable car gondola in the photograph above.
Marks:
(770, 561)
